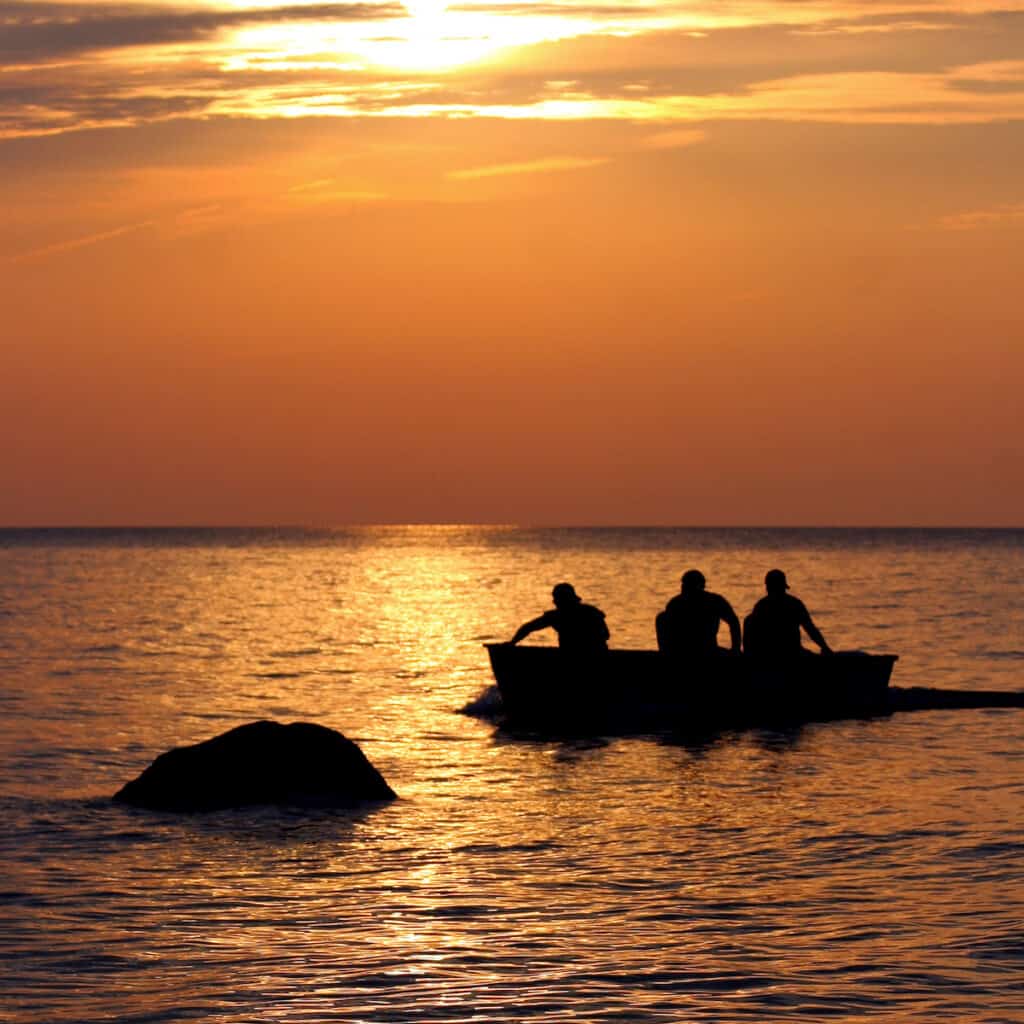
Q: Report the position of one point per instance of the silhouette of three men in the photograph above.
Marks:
(688, 627)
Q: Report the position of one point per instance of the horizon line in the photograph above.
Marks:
(504, 526)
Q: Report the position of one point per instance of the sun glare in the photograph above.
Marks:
(431, 38)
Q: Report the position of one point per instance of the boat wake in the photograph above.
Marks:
(486, 705)
(927, 698)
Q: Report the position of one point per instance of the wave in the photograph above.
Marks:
(485, 705)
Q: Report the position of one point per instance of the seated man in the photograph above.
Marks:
(580, 627)
(688, 627)
(772, 629)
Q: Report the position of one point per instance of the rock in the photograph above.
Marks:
(260, 763)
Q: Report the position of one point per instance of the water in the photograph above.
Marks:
(855, 870)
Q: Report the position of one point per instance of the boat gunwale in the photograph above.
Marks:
(542, 682)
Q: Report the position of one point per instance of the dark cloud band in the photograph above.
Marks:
(37, 31)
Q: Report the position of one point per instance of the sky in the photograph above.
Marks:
(559, 262)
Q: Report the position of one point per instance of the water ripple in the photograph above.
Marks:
(841, 871)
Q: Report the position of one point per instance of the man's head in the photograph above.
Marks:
(775, 581)
(693, 581)
(564, 595)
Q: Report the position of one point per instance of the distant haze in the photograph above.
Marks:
(556, 264)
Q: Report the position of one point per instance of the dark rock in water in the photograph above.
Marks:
(260, 763)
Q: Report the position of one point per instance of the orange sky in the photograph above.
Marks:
(557, 262)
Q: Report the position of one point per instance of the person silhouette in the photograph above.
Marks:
(688, 627)
(772, 629)
(580, 627)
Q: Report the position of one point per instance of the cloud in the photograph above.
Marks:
(544, 166)
(937, 68)
(70, 99)
(47, 31)
(328, 190)
(81, 242)
(1005, 215)
(566, 9)
(991, 79)
(676, 139)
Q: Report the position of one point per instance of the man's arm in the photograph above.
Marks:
(734, 625)
(812, 630)
(541, 622)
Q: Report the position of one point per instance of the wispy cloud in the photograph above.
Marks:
(675, 139)
(328, 190)
(43, 30)
(545, 166)
(81, 242)
(565, 9)
(993, 77)
(1007, 214)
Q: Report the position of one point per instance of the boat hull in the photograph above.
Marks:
(546, 685)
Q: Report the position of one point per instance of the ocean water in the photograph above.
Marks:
(844, 871)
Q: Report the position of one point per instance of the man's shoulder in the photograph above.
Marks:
(791, 605)
(592, 609)
(779, 604)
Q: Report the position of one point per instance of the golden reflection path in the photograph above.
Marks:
(768, 874)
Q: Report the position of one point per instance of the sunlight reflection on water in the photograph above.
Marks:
(844, 871)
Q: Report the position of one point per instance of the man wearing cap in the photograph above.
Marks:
(580, 627)
(772, 629)
(688, 627)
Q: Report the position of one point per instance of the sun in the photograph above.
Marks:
(414, 50)
(429, 37)
(425, 8)
(433, 37)
(436, 36)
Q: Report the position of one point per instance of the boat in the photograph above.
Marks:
(549, 686)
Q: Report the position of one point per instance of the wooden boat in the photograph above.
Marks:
(548, 686)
